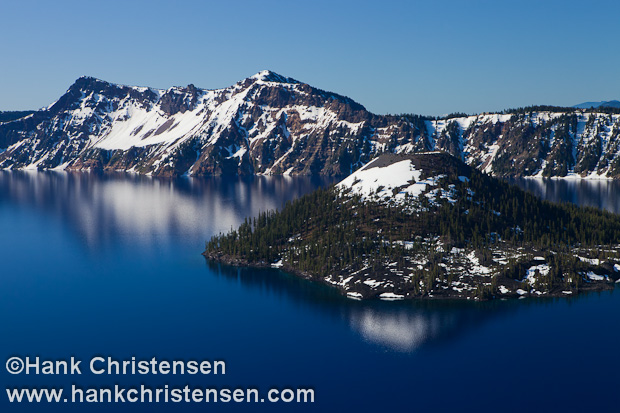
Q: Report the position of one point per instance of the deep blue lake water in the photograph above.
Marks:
(110, 265)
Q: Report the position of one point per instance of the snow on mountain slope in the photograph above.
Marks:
(266, 123)
(272, 124)
(538, 143)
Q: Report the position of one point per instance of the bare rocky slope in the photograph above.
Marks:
(271, 124)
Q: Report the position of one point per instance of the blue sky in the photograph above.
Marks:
(426, 57)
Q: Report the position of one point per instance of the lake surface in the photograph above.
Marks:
(111, 265)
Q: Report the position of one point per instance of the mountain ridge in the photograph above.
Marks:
(603, 103)
(273, 124)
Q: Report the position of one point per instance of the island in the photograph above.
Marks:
(427, 225)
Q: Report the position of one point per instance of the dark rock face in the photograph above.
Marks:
(179, 100)
(541, 143)
(272, 124)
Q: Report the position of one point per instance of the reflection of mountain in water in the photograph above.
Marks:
(103, 207)
(403, 326)
(602, 194)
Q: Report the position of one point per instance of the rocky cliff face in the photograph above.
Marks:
(544, 144)
(271, 124)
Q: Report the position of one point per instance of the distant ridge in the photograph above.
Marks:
(12, 115)
(602, 104)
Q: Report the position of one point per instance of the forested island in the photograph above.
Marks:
(429, 226)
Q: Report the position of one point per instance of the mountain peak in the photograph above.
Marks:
(90, 79)
(88, 82)
(269, 76)
(86, 77)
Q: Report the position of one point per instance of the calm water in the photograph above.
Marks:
(95, 265)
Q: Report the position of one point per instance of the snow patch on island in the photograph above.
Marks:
(391, 296)
(595, 277)
(381, 181)
(542, 269)
(395, 182)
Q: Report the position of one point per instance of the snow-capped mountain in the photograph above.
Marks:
(266, 123)
(271, 124)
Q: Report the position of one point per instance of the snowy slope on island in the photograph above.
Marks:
(392, 180)
(370, 180)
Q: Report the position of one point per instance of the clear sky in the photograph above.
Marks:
(426, 57)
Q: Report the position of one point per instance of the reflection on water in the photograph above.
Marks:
(112, 209)
(402, 326)
(596, 193)
(107, 207)
(401, 330)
